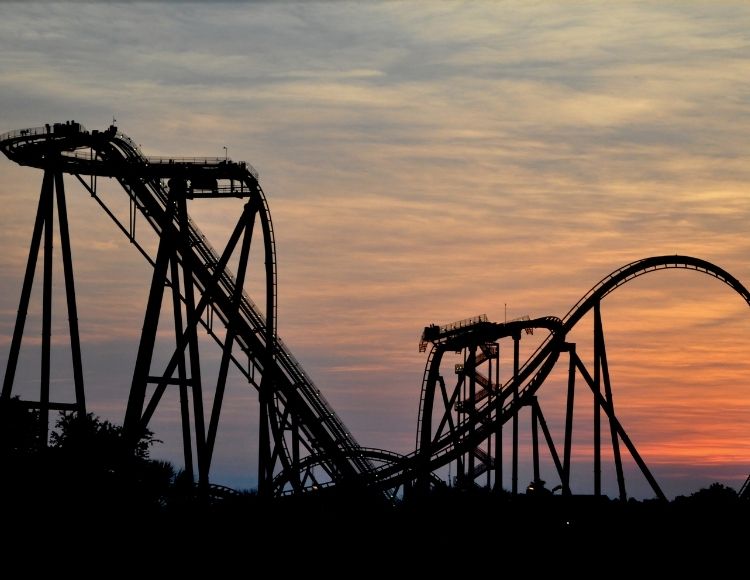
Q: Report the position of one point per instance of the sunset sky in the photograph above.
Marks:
(424, 162)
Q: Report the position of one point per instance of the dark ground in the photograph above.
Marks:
(464, 532)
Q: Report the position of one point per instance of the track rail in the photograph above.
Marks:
(70, 148)
(533, 372)
(110, 153)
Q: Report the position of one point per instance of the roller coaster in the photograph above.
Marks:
(304, 447)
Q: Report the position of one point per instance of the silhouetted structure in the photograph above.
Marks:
(462, 423)
(303, 445)
(44, 228)
(295, 419)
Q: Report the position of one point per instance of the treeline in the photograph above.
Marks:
(117, 497)
(85, 466)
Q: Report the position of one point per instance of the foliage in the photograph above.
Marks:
(101, 465)
(98, 439)
(716, 493)
(88, 465)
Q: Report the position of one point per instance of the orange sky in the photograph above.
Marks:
(424, 162)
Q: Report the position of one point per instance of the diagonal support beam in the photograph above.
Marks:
(602, 361)
(548, 438)
(447, 417)
(605, 405)
(192, 322)
(231, 332)
(28, 283)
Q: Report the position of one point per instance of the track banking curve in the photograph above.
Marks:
(645, 266)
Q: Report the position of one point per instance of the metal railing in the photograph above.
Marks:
(30, 132)
(209, 161)
(466, 322)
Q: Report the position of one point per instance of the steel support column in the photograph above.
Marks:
(569, 418)
(498, 428)
(597, 412)
(516, 363)
(535, 437)
(46, 316)
(471, 368)
(461, 465)
(180, 198)
(70, 294)
(490, 395)
(187, 446)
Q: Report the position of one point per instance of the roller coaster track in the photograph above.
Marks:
(645, 266)
(483, 421)
(112, 154)
(430, 455)
(297, 404)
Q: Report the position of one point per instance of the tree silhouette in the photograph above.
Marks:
(99, 440)
(100, 466)
(88, 465)
(716, 493)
